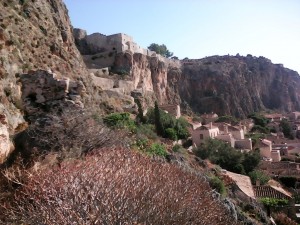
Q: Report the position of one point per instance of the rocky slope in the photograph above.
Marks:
(34, 34)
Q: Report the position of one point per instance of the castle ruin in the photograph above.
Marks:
(100, 43)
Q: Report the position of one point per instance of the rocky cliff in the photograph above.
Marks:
(236, 85)
(34, 34)
(233, 85)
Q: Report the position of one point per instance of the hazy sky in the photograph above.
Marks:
(200, 28)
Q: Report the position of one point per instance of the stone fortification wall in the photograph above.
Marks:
(100, 43)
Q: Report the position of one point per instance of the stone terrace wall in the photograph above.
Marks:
(172, 109)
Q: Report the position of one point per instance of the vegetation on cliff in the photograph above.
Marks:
(160, 49)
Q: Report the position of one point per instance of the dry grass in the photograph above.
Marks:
(115, 186)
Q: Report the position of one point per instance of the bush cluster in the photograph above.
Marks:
(120, 120)
(172, 128)
(114, 186)
(260, 176)
(221, 153)
(218, 184)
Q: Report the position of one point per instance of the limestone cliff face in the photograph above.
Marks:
(149, 74)
(236, 85)
(232, 85)
(34, 34)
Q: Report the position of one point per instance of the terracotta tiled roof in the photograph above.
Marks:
(270, 192)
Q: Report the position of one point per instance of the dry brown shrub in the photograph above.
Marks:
(69, 132)
(282, 219)
(115, 186)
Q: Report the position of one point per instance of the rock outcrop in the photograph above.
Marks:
(5, 144)
(33, 35)
(236, 85)
(42, 92)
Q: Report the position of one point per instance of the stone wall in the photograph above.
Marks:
(99, 43)
(174, 110)
(43, 91)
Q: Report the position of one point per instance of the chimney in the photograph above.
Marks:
(257, 183)
(225, 129)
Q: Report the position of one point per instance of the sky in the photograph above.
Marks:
(199, 28)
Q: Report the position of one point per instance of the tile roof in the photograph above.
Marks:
(270, 192)
(243, 182)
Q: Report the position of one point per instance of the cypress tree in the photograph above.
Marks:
(158, 123)
(140, 115)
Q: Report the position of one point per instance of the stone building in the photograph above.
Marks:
(266, 151)
(100, 43)
(173, 109)
(204, 132)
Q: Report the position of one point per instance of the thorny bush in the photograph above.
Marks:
(70, 132)
(115, 186)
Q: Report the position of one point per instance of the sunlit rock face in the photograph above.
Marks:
(34, 35)
(236, 85)
(5, 144)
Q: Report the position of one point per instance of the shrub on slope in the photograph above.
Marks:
(115, 187)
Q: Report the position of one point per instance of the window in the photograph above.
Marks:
(201, 136)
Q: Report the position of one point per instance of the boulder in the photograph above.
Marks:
(5, 144)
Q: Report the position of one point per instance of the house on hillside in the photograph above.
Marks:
(233, 135)
(247, 124)
(267, 191)
(210, 117)
(276, 117)
(283, 168)
(236, 131)
(294, 116)
(200, 134)
(227, 137)
(244, 189)
(229, 133)
(265, 149)
(276, 192)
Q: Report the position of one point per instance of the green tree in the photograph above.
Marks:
(223, 154)
(286, 129)
(273, 202)
(168, 121)
(140, 115)
(181, 128)
(288, 181)
(160, 49)
(171, 133)
(259, 119)
(158, 124)
(227, 119)
(259, 175)
(251, 161)
(218, 184)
